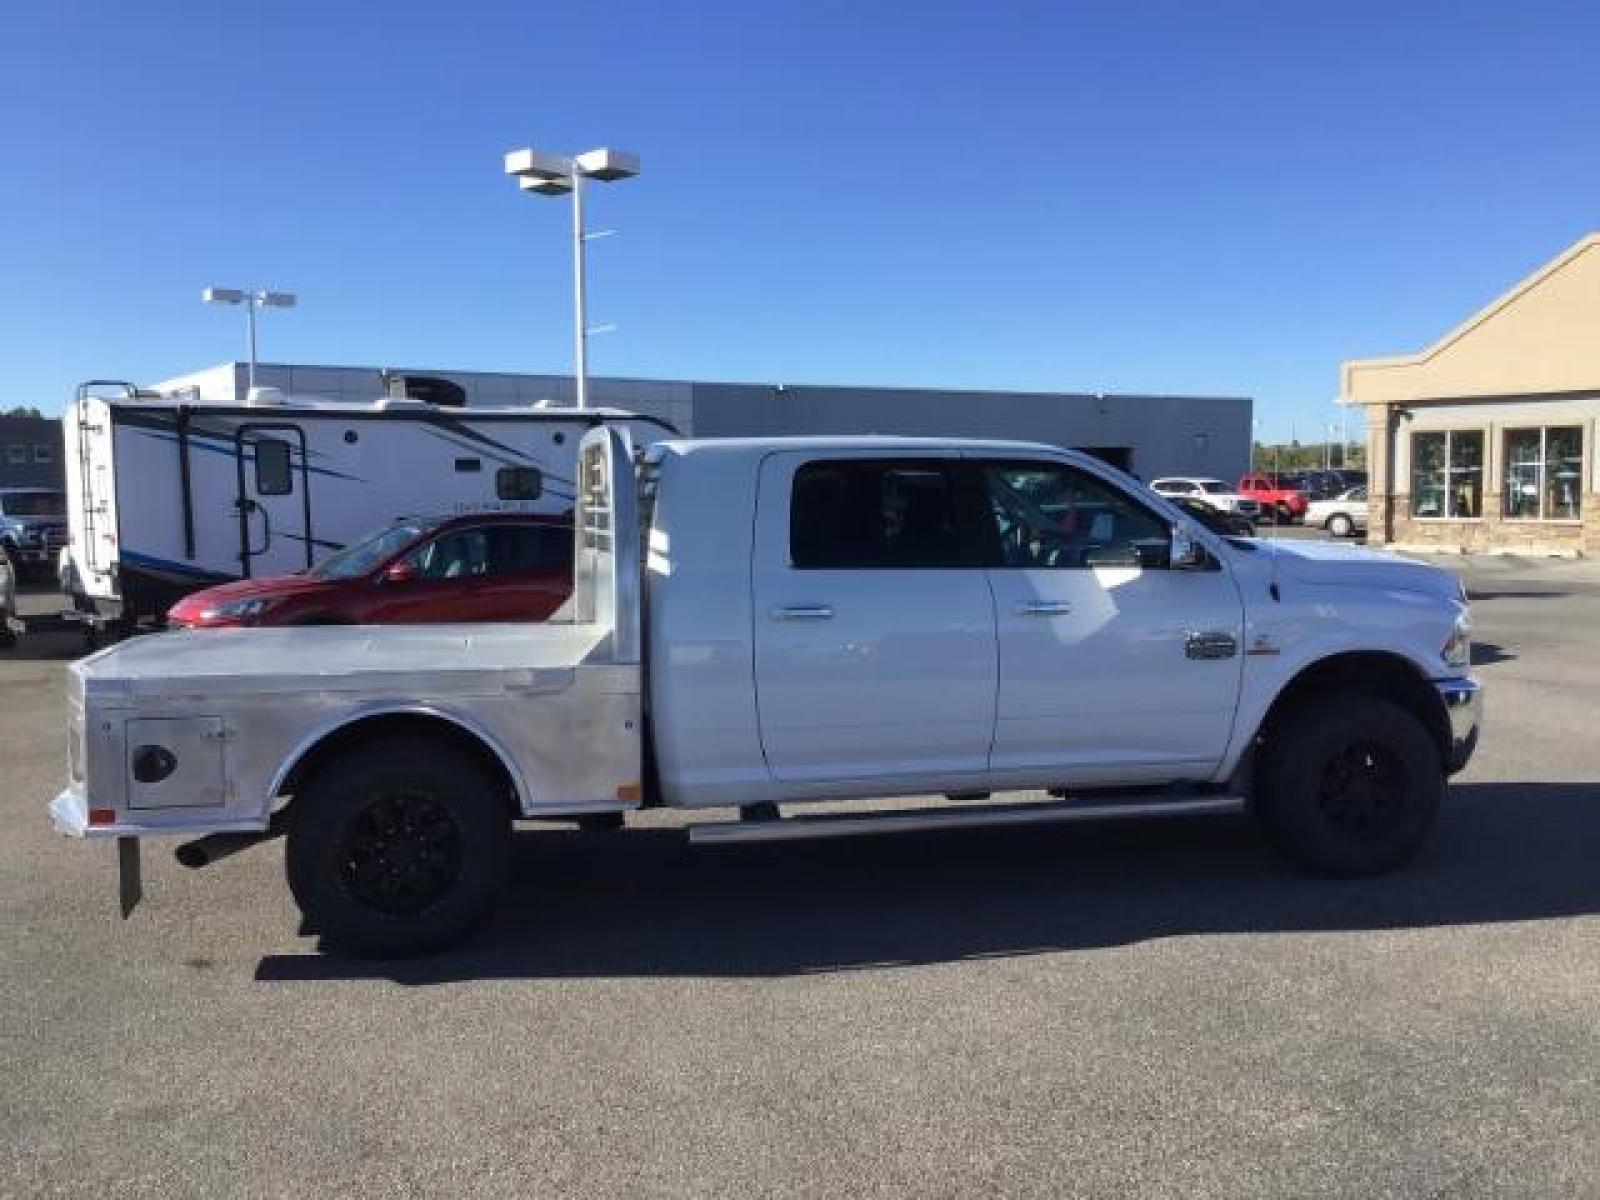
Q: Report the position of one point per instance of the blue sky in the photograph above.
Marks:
(1120, 196)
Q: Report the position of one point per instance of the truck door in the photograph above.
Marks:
(273, 504)
(874, 627)
(1112, 666)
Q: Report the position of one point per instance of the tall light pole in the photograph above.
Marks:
(253, 299)
(557, 175)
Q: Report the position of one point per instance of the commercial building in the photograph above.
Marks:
(30, 452)
(1149, 435)
(1486, 440)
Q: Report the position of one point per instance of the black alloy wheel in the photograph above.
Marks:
(1363, 790)
(401, 853)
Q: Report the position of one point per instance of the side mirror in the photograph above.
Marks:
(400, 572)
(1186, 552)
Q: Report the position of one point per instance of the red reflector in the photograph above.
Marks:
(102, 816)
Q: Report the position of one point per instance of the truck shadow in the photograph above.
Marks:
(645, 903)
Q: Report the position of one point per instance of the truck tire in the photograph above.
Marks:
(1283, 515)
(397, 848)
(1340, 525)
(1349, 785)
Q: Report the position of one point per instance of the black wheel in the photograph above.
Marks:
(1349, 785)
(1282, 515)
(1340, 525)
(397, 847)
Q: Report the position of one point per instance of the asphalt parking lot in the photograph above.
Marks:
(1153, 1010)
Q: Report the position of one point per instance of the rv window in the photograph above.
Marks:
(518, 483)
(272, 468)
(469, 464)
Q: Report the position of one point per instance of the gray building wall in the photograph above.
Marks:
(1159, 435)
(30, 452)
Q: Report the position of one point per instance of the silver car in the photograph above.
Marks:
(1343, 516)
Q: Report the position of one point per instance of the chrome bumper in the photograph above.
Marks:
(1463, 704)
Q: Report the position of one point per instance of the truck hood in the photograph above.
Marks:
(1340, 565)
(370, 658)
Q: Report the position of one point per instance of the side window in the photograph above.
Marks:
(515, 548)
(273, 476)
(894, 514)
(518, 483)
(1049, 516)
(459, 554)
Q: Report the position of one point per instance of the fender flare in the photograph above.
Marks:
(473, 729)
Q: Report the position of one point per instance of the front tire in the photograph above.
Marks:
(397, 848)
(1341, 526)
(1349, 785)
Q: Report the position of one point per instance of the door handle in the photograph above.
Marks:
(1044, 608)
(802, 612)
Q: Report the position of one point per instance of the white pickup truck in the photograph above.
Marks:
(760, 624)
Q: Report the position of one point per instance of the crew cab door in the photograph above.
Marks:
(874, 626)
(1113, 667)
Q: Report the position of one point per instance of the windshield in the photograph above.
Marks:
(362, 557)
(1214, 487)
(33, 504)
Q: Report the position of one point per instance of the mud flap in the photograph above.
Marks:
(130, 884)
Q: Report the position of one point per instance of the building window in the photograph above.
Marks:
(1447, 474)
(43, 454)
(16, 454)
(1544, 473)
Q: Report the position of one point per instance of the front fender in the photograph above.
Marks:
(1272, 665)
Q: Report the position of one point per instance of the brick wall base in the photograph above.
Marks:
(1495, 535)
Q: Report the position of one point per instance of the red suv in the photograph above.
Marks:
(499, 567)
(1278, 502)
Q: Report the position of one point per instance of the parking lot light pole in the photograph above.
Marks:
(558, 175)
(253, 299)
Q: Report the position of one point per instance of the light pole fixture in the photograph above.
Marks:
(547, 174)
(253, 299)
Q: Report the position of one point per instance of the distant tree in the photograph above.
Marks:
(23, 410)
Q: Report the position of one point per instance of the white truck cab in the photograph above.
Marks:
(760, 624)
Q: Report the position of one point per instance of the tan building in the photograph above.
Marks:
(1487, 439)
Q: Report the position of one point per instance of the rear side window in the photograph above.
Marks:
(528, 548)
(273, 477)
(897, 514)
(518, 483)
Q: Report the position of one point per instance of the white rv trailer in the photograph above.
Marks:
(166, 495)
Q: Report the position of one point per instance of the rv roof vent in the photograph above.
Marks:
(265, 397)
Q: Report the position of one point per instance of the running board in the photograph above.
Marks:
(910, 819)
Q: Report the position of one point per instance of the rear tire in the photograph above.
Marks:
(1340, 525)
(1349, 785)
(397, 848)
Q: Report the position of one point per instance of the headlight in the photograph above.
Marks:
(236, 610)
(1457, 649)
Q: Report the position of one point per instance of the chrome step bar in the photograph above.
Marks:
(905, 820)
